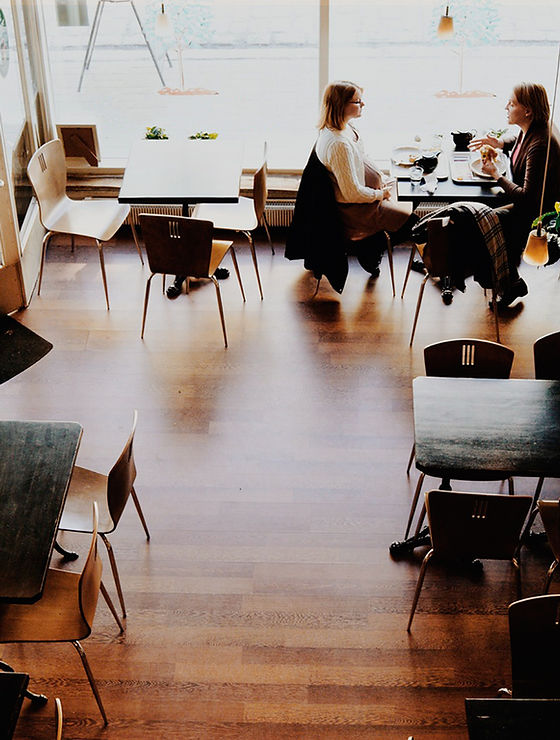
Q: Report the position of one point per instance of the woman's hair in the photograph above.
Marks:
(533, 96)
(335, 98)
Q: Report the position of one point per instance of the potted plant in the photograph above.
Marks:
(155, 132)
(551, 224)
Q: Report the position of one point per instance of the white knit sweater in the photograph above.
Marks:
(344, 157)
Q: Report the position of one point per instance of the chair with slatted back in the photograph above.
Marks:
(244, 216)
(111, 492)
(97, 219)
(462, 358)
(65, 612)
(437, 261)
(177, 245)
(467, 526)
(534, 632)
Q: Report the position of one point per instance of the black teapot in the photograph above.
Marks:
(428, 161)
(462, 139)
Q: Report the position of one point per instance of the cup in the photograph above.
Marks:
(416, 173)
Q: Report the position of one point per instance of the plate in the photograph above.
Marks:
(476, 166)
(404, 156)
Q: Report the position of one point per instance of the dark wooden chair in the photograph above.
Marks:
(512, 719)
(467, 526)
(12, 691)
(550, 515)
(177, 245)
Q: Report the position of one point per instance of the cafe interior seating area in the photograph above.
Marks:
(345, 509)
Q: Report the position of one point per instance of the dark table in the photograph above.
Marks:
(36, 463)
(183, 172)
(12, 691)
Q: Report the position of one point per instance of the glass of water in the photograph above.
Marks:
(416, 173)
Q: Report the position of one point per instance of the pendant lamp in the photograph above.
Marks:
(536, 250)
(445, 27)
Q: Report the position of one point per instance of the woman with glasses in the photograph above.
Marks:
(366, 199)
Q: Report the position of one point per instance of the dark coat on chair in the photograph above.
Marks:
(316, 233)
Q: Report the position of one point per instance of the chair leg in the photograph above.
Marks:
(511, 490)
(220, 308)
(495, 312)
(103, 275)
(43, 253)
(410, 459)
(549, 575)
(135, 236)
(419, 583)
(390, 258)
(109, 602)
(140, 512)
(91, 679)
(534, 512)
(265, 224)
(146, 298)
(420, 521)
(414, 504)
(254, 257)
(236, 268)
(116, 578)
(408, 268)
(418, 303)
(317, 288)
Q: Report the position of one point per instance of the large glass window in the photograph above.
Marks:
(249, 69)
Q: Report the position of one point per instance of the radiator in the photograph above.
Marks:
(278, 212)
(428, 206)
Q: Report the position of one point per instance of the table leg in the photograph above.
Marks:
(35, 698)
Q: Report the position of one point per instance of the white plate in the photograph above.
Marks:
(404, 156)
(476, 165)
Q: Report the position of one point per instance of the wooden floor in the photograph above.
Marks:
(272, 476)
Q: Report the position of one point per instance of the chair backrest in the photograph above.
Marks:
(534, 632)
(90, 579)
(550, 515)
(436, 252)
(512, 719)
(260, 191)
(177, 245)
(546, 351)
(58, 718)
(475, 525)
(47, 174)
(468, 358)
(122, 476)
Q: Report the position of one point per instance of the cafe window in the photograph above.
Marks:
(249, 70)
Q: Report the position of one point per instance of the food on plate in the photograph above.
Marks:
(413, 157)
(488, 154)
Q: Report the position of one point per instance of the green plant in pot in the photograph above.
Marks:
(551, 224)
(155, 132)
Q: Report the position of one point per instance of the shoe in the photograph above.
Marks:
(221, 273)
(418, 266)
(374, 273)
(517, 290)
(174, 290)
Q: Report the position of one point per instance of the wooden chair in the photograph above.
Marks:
(534, 632)
(65, 612)
(546, 351)
(111, 493)
(59, 718)
(550, 515)
(512, 719)
(436, 256)
(183, 246)
(465, 526)
(12, 691)
(242, 217)
(462, 358)
(97, 219)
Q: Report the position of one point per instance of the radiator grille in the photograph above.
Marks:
(278, 212)
(135, 211)
(428, 206)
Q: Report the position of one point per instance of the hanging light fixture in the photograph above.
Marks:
(536, 250)
(163, 24)
(445, 27)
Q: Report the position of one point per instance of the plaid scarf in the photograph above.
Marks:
(490, 228)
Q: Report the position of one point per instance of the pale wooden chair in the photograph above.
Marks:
(467, 526)
(184, 246)
(462, 358)
(96, 219)
(111, 493)
(242, 217)
(65, 612)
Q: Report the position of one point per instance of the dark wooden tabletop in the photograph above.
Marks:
(12, 690)
(185, 172)
(471, 428)
(450, 192)
(36, 463)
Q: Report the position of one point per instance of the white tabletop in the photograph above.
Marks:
(186, 172)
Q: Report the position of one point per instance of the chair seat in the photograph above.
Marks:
(219, 249)
(86, 487)
(97, 219)
(55, 617)
(231, 216)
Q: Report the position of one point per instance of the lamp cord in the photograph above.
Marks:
(549, 137)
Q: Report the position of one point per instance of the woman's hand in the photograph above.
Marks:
(387, 191)
(490, 140)
(489, 168)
